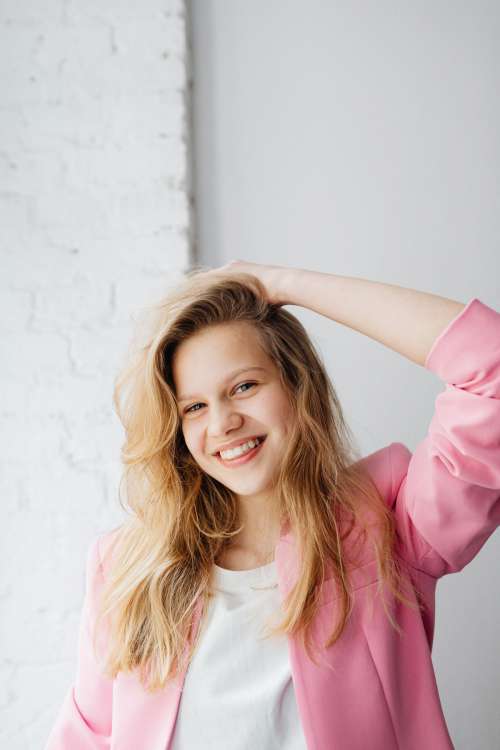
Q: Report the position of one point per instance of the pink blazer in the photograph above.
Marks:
(382, 692)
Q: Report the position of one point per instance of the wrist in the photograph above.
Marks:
(284, 285)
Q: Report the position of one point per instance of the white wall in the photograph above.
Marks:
(361, 138)
(95, 216)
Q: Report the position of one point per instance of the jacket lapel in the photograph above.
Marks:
(157, 711)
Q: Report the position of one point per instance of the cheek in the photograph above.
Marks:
(193, 442)
(279, 412)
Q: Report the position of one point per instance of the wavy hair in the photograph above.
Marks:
(180, 519)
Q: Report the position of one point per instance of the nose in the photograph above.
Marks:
(221, 420)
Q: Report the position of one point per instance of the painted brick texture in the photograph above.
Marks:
(95, 219)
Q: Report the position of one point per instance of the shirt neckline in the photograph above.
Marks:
(236, 580)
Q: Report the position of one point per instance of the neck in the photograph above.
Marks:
(261, 527)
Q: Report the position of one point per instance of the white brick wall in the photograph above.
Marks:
(95, 217)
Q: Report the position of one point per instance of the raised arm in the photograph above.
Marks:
(406, 320)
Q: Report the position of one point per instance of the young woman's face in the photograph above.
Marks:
(218, 406)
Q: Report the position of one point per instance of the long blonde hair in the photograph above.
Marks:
(180, 518)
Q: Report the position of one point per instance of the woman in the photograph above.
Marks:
(283, 595)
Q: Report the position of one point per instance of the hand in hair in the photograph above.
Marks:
(270, 276)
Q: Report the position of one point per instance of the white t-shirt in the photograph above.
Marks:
(238, 692)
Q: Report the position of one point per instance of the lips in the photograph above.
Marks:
(239, 442)
(243, 459)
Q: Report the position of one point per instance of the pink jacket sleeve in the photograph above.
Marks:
(84, 719)
(446, 496)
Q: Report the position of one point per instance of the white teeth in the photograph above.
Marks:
(240, 450)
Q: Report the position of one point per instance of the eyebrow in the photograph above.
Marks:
(230, 377)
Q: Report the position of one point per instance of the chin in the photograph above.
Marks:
(249, 487)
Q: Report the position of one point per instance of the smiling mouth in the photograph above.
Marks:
(241, 458)
(260, 438)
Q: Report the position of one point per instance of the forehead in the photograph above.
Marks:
(208, 357)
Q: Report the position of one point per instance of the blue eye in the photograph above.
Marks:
(241, 384)
(191, 408)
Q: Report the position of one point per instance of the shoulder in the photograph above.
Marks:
(387, 467)
(101, 549)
